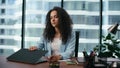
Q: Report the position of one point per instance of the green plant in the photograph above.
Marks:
(109, 47)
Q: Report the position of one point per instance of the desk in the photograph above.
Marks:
(8, 64)
(111, 62)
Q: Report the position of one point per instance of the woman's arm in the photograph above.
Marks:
(39, 46)
(70, 49)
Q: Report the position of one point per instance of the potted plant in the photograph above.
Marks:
(109, 47)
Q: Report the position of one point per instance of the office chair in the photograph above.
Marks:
(76, 43)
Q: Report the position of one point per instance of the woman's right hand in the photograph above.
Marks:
(32, 48)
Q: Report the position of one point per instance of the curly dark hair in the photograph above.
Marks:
(64, 25)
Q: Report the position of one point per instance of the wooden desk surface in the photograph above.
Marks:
(8, 64)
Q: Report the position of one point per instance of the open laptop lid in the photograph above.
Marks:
(27, 56)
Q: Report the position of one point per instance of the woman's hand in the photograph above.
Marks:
(32, 48)
(54, 58)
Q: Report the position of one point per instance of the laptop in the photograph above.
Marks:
(27, 56)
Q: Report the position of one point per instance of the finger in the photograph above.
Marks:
(32, 48)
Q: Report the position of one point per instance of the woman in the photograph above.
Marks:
(58, 37)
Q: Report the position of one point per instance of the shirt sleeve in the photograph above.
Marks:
(41, 43)
(70, 49)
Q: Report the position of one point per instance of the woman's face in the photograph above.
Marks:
(54, 18)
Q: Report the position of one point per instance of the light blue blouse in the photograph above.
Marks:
(66, 50)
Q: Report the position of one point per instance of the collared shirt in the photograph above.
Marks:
(66, 50)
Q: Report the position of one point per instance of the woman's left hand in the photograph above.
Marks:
(54, 58)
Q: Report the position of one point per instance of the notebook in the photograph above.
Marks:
(27, 56)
